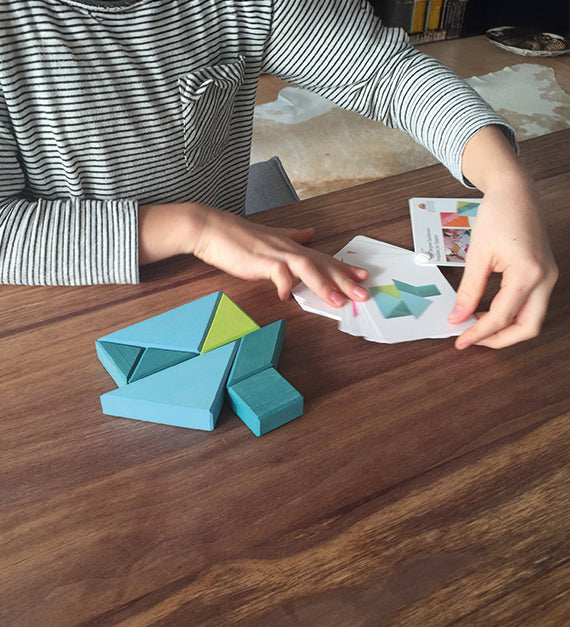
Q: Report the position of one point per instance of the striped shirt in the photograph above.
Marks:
(105, 106)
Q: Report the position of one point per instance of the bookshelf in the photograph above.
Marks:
(424, 20)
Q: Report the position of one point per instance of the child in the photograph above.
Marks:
(125, 129)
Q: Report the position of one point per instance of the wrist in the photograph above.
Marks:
(489, 161)
(168, 230)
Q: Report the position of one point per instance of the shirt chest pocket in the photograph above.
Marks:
(207, 96)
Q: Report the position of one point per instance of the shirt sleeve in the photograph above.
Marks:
(340, 50)
(61, 241)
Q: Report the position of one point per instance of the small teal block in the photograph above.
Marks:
(119, 360)
(189, 394)
(155, 359)
(183, 328)
(265, 401)
(257, 351)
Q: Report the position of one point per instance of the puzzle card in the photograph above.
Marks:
(409, 302)
(442, 229)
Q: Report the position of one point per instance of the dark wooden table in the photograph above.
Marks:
(422, 485)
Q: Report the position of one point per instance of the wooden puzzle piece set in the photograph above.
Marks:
(177, 368)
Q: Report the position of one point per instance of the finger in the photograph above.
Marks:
(506, 306)
(527, 324)
(316, 280)
(356, 273)
(345, 279)
(282, 279)
(470, 289)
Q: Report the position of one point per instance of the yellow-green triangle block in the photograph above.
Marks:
(229, 324)
(392, 290)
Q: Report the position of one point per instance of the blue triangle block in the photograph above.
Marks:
(190, 394)
(416, 304)
(155, 359)
(119, 360)
(181, 329)
(257, 351)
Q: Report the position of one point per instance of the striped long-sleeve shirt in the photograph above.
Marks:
(105, 106)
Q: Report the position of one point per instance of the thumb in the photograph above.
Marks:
(470, 291)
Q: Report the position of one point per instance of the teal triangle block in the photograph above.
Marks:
(390, 306)
(257, 351)
(155, 359)
(189, 394)
(416, 304)
(118, 359)
(181, 329)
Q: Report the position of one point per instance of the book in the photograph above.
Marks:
(419, 16)
(433, 14)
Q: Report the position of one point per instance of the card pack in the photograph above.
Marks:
(407, 301)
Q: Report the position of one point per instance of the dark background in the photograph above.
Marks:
(551, 16)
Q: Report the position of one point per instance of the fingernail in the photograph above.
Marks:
(360, 292)
(455, 315)
(337, 299)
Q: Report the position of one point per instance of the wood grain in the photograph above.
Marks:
(422, 485)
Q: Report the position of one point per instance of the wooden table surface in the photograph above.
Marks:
(422, 485)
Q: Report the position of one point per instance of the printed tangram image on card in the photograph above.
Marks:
(402, 299)
(407, 301)
(454, 220)
(442, 229)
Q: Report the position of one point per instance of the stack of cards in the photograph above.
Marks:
(407, 301)
(442, 229)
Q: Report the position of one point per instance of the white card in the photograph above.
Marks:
(310, 302)
(411, 302)
(441, 229)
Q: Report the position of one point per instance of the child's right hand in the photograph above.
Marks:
(247, 250)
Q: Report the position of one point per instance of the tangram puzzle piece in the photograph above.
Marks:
(119, 359)
(229, 324)
(173, 368)
(257, 351)
(265, 401)
(180, 329)
(189, 394)
(156, 359)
